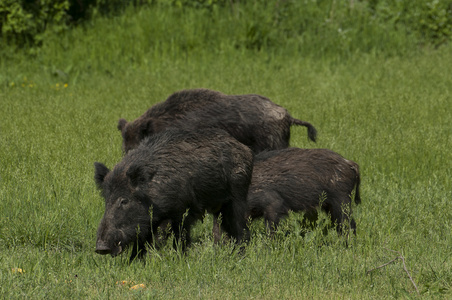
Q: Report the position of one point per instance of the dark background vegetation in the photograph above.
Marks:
(269, 24)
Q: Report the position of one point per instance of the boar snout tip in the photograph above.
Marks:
(103, 251)
(102, 248)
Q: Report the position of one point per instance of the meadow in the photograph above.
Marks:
(60, 106)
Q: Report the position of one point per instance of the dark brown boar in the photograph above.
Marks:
(173, 177)
(294, 179)
(252, 119)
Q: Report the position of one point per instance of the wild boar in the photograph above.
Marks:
(252, 119)
(294, 179)
(173, 177)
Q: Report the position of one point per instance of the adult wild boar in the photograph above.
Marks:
(294, 179)
(252, 119)
(173, 177)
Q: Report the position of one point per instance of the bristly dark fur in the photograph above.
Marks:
(294, 179)
(170, 174)
(252, 119)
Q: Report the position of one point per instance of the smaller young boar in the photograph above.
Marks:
(252, 119)
(172, 178)
(294, 179)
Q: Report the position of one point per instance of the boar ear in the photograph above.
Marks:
(121, 124)
(100, 171)
(138, 175)
(147, 128)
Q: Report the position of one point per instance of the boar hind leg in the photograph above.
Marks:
(234, 221)
(341, 216)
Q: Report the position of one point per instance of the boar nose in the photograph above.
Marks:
(102, 248)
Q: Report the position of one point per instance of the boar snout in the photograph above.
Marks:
(102, 248)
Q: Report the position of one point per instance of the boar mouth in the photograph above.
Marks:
(114, 242)
(103, 248)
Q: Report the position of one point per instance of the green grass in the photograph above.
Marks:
(389, 114)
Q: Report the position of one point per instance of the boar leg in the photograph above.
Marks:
(341, 214)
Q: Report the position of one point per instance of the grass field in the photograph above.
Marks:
(392, 115)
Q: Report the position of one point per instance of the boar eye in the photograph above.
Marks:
(123, 202)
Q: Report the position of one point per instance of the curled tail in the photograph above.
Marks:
(312, 132)
(358, 182)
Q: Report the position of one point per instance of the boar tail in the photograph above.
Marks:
(358, 182)
(312, 132)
